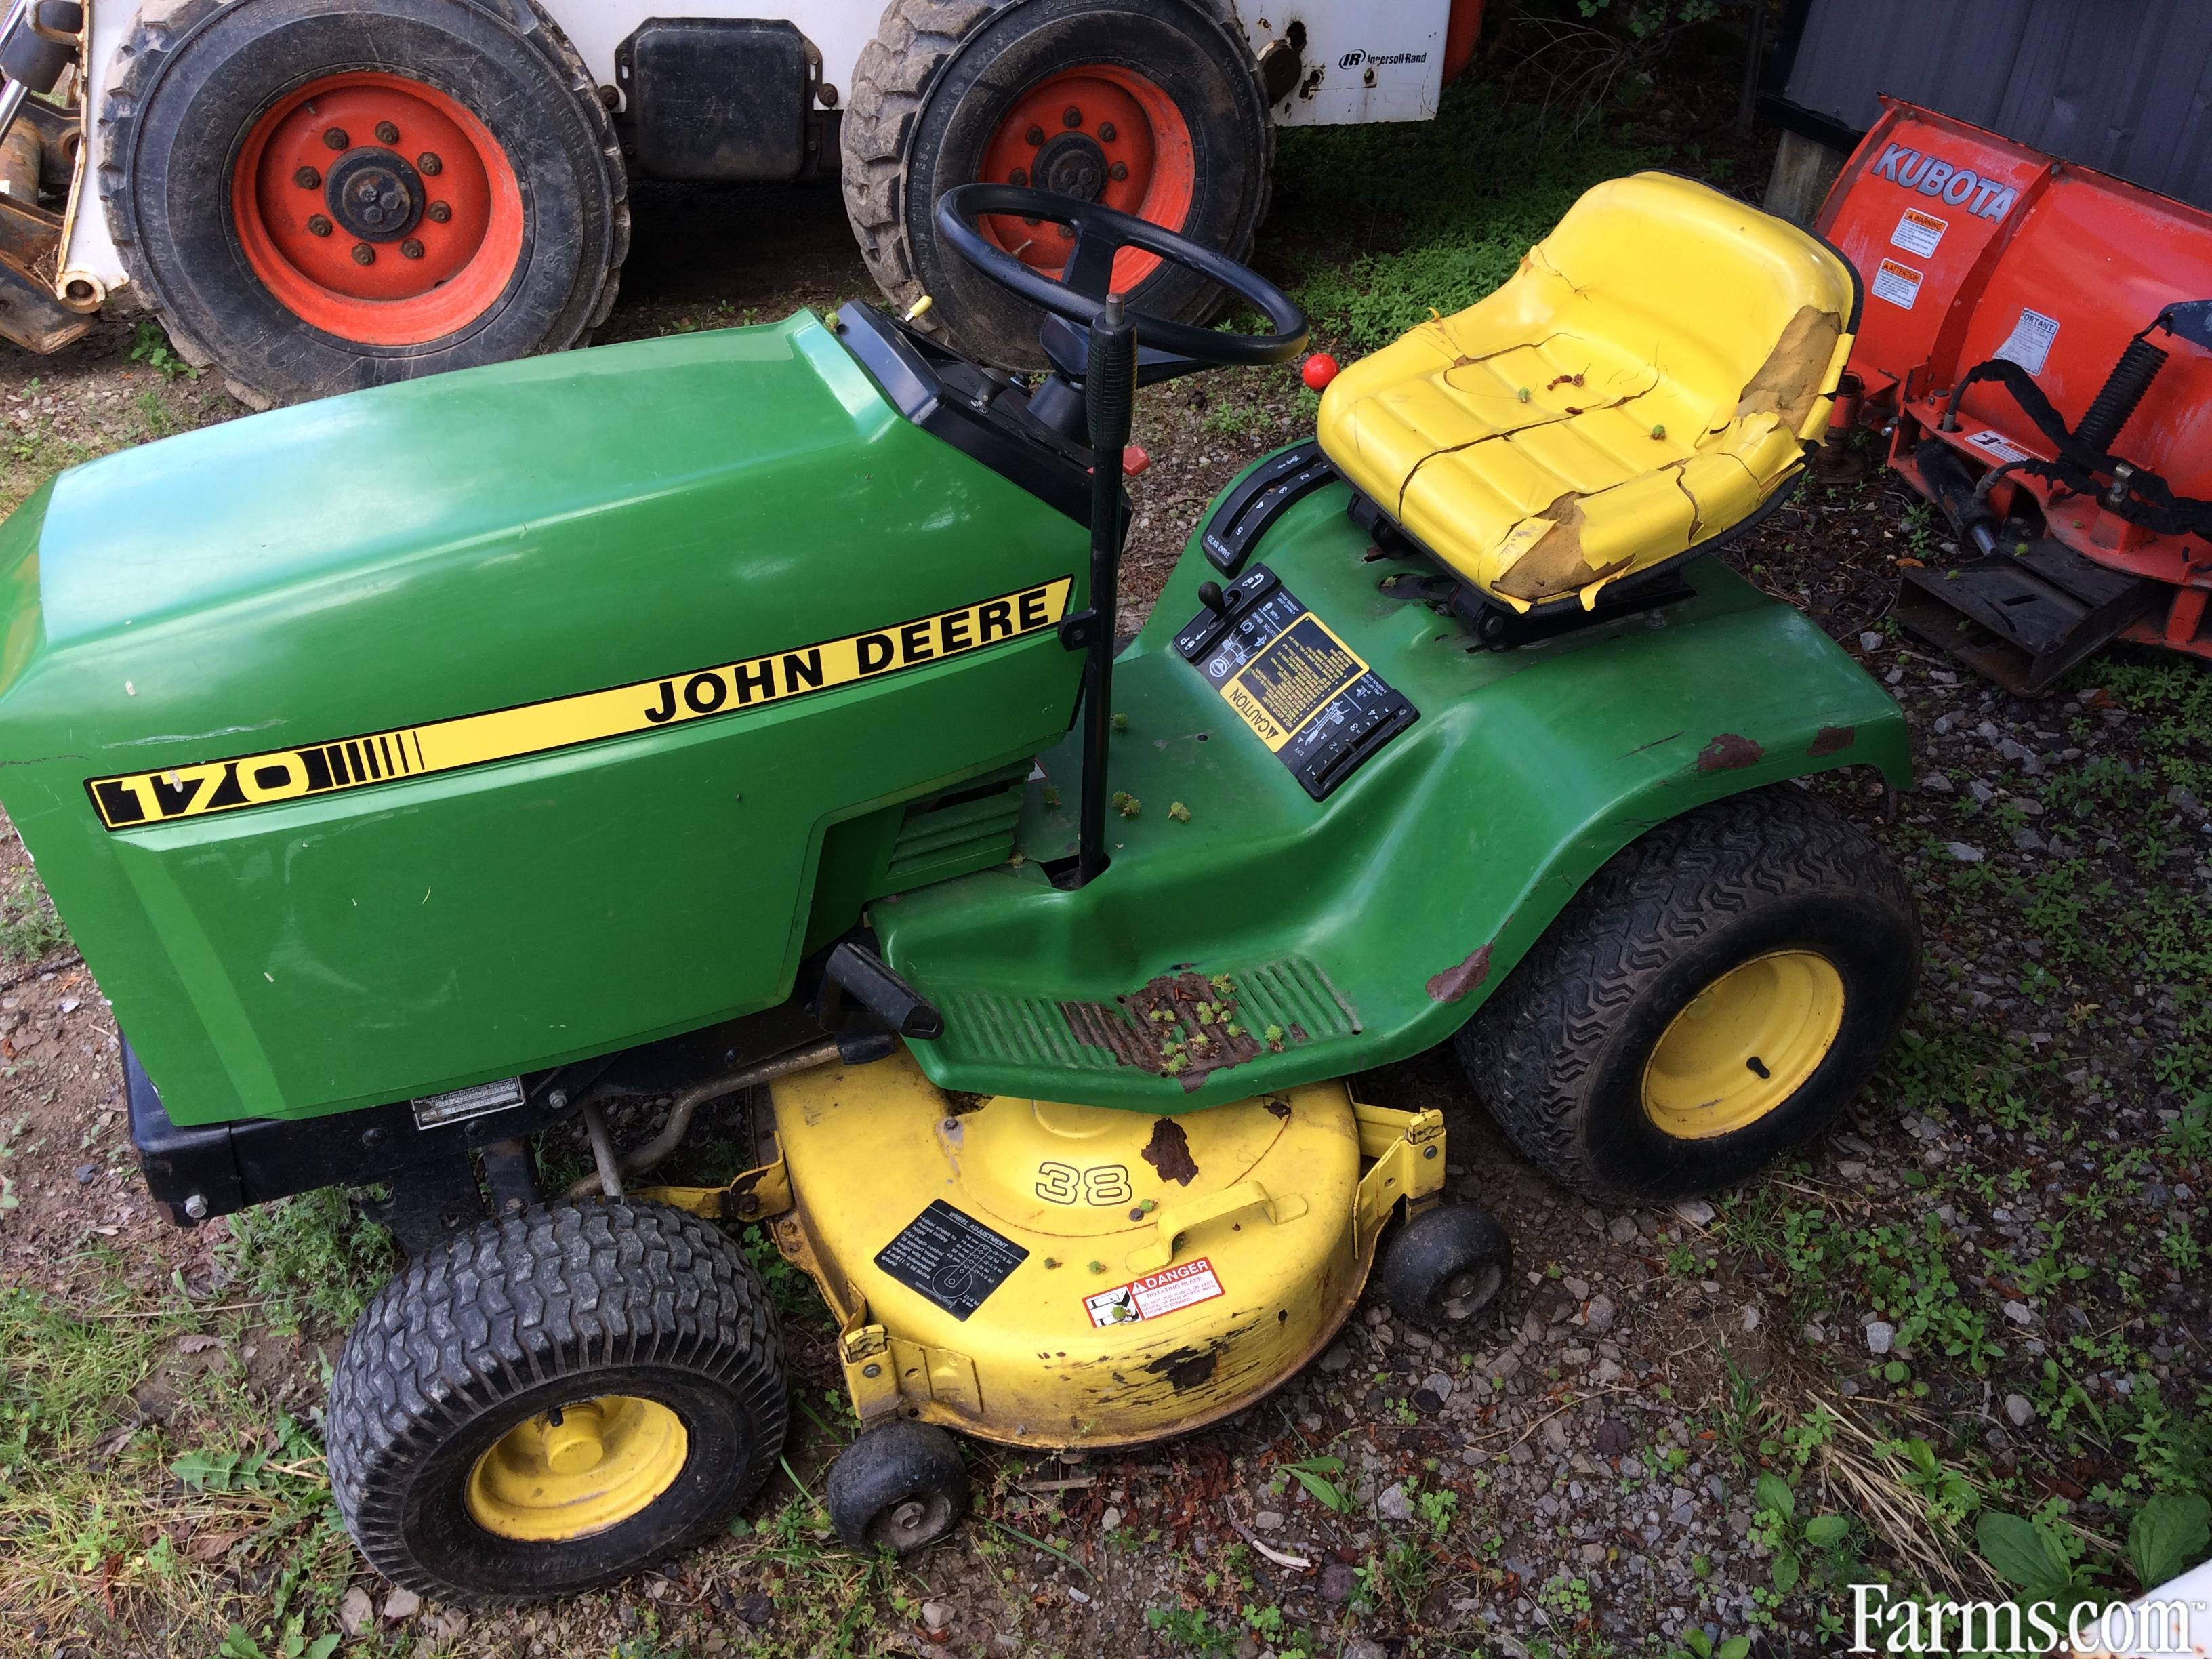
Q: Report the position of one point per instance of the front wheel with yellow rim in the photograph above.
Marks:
(553, 1401)
(1713, 997)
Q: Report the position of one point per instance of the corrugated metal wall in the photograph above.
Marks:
(2124, 86)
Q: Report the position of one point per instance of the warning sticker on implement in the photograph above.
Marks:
(1155, 1294)
(951, 1257)
(1899, 284)
(1997, 446)
(280, 775)
(1918, 232)
(2029, 342)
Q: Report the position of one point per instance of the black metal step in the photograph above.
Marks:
(2024, 619)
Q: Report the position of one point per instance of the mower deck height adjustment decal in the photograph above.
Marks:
(1290, 677)
(138, 798)
(1155, 1294)
(952, 1258)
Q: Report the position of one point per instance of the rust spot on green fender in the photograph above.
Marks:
(1832, 739)
(1728, 752)
(1454, 983)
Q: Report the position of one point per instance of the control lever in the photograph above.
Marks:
(871, 983)
(1211, 596)
(1110, 398)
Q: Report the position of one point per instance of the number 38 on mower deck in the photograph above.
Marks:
(738, 715)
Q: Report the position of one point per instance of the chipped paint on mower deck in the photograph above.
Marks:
(964, 1255)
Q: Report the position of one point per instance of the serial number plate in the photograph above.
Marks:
(1305, 693)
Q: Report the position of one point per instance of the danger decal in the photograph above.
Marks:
(1164, 1292)
(137, 798)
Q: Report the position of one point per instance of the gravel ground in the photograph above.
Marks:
(1995, 1261)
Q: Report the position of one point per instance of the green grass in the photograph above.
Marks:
(313, 1257)
(29, 929)
(1439, 215)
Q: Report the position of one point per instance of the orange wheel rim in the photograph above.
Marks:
(378, 210)
(1102, 133)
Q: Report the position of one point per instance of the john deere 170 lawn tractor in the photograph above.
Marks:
(741, 714)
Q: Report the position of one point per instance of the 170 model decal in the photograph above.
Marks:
(137, 798)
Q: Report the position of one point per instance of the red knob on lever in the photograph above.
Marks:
(1321, 369)
(1135, 460)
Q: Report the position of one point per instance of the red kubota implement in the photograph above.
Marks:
(2036, 344)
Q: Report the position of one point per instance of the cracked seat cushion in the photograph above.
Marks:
(1645, 380)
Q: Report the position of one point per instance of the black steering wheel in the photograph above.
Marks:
(1101, 233)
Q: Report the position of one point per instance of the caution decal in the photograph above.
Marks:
(226, 785)
(1294, 678)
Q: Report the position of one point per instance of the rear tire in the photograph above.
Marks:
(617, 1313)
(933, 93)
(1617, 1057)
(216, 116)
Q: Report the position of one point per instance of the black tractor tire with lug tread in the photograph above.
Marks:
(1560, 1052)
(190, 84)
(931, 88)
(1446, 1265)
(561, 1304)
(900, 1486)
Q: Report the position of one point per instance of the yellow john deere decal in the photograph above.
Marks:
(225, 786)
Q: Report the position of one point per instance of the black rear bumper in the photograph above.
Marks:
(217, 1169)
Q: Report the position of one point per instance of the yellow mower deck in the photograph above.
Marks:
(1050, 1275)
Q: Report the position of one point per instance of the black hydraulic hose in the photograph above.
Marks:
(1109, 393)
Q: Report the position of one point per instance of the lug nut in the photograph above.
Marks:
(1066, 233)
(306, 179)
(1071, 117)
(319, 226)
(1118, 172)
(428, 165)
(1034, 134)
(335, 138)
(1108, 132)
(363, 254)
(386, 133)
(411, 249)
(1019, 176)
(439, 213)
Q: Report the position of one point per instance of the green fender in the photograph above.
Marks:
(1368, 927)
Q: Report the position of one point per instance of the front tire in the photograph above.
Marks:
(552, 1401)
(318, 197)
(1169, 122)
(1712, 998)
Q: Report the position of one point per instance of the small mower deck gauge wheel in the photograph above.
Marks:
(1151, 107)
(555, 1400)
(1445, 1266)
(317, 198)
(1712, 997)
(900, 1487)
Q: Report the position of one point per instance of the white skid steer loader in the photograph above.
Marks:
(318, 195)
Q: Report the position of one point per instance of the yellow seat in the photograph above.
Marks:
(1645, 380)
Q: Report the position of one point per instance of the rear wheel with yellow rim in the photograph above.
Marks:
(555, 1400)
(1714, 994)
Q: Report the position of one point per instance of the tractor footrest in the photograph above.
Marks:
(1184, 1025)
(2023, 619)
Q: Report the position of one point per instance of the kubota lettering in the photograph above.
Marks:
(1930, 175)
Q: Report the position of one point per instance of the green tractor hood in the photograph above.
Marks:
(426, 735)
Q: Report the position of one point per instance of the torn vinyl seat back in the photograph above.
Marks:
(1644, 383)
